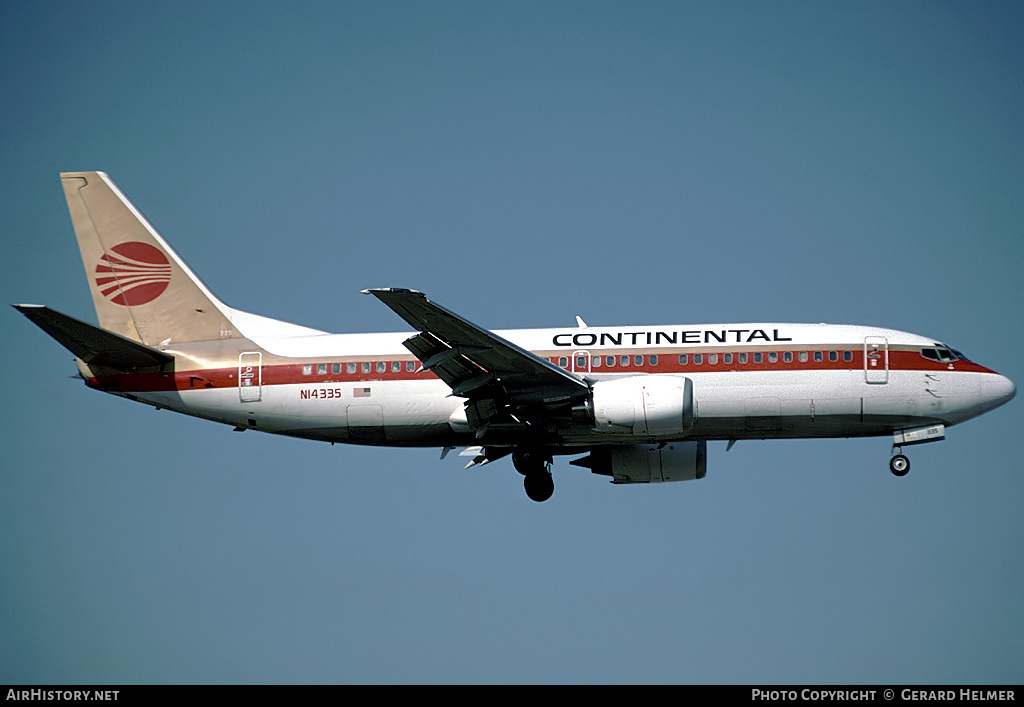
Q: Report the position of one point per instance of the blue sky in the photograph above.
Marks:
(521, 163)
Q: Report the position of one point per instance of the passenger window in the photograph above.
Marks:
(381, 366)
(712, 358)
(610, 360)
(410, 366)
(563, 361)
(623, 360)
(727, 358)
(847, 356)
(307, 369)
(596, 362)
(698, 359)
(773, 357)
(335, 368)
(366, 366)
(802, 356)
(758, 357)
(818, 356)
(638, 360)
(833, 356)
(654, 360)
(321, 369)
(743, 357)
(396, 367)
(682, 359)
(351, 368)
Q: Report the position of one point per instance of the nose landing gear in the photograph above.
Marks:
(899, 464)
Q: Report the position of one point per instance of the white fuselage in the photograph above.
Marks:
(748, 381)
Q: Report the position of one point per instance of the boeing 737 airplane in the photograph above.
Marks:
(638, 404)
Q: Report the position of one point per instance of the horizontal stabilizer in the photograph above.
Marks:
(93, 345)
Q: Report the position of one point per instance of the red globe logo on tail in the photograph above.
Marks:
(133, 273)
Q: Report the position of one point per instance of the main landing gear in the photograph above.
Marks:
(899, 464)
(535, 466)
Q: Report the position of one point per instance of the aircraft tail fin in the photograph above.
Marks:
(141, 288)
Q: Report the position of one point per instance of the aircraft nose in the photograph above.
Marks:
(999, 389)
(1010, 389)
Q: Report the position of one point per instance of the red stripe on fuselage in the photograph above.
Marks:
(668, 363)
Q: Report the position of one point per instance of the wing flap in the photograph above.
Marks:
(448, 363)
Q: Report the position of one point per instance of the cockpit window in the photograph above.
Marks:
(943, 354)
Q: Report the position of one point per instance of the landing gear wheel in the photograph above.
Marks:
(899, 465)
(539, 485)
(535, 464)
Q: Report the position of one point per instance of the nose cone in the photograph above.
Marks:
(998, 390)
(1009, 389)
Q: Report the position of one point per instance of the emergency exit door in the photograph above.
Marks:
(581, 362)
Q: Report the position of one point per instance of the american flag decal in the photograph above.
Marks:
(360, 392)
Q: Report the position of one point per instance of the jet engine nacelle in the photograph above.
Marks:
(649, 463)
(646, 406)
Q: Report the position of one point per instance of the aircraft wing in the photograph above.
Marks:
(476, 363)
